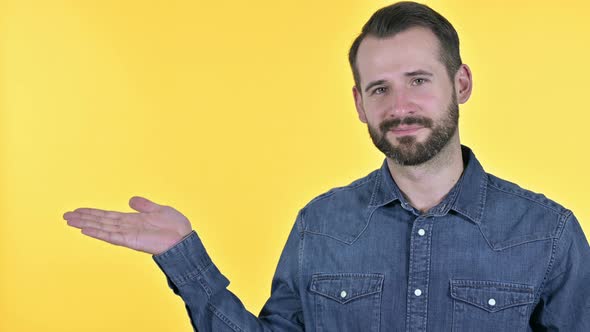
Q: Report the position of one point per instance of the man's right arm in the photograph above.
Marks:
(193, 276)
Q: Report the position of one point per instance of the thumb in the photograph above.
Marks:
(142, 204)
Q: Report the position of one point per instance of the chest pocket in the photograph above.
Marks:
(347, 301)
(490, 305)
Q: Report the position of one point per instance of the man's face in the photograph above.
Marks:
(408, 101)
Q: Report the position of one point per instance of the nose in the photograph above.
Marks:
(401, 104)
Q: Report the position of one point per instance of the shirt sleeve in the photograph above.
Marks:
(564, 303)
(193, 276)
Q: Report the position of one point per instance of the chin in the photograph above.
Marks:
(409, 140)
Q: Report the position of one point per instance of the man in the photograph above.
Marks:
(428, 242)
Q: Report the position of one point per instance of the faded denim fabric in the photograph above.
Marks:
(490, 257)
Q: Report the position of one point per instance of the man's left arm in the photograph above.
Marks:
(564, 303)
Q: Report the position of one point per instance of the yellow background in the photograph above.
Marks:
(237, 114)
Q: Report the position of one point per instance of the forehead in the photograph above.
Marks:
(411, 49)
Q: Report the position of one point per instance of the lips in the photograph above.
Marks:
(406, 129)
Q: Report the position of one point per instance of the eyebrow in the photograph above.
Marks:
(372, 84)
(419, 72)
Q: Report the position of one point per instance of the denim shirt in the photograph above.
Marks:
(490, 257)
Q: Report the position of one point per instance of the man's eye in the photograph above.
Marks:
(419, 81)
(379, 91)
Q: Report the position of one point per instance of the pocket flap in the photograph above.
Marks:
(345, 287)
(491, 296)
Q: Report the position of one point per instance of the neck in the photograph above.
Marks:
(426, 185)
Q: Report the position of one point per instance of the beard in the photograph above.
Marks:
(409, 152)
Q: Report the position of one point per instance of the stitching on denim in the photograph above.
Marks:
(482, 226)
(380, 306)
(336, 276)
(354, 185)
(479, 227)
(559, 231)
(364, 228)
(525, 291)
(526, 239)
(458, 194)
(348, 242)
(376, 188)
(427, 286)
(496, 308)
(223, 318)
(514, 188)
(205, 286)
(349, 299)
(300, 258)
(183, 279)
(375, 289)
(394, 194)
(330, 236)
(186, 278)
(410, 281)
(176, 248)
(453, 327)
(509, 286)
(527, 198)
(319, 314)
(483, 189)
(481, 204)
(451, 200)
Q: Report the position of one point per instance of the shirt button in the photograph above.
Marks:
(492, 302)
(417, 292)
(343, 294)
(421, 232)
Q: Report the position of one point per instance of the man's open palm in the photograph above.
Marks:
(154, 229)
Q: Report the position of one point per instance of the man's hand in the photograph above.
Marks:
(153, 230)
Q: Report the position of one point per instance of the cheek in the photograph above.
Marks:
(431, 102)
(375, 108)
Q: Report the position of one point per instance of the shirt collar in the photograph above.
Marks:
(467, 196)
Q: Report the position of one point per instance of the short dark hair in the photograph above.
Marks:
(401, 16)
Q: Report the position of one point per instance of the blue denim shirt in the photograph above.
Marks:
(490, 257)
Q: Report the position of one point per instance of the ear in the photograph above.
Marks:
(463, 83)
(358, 103)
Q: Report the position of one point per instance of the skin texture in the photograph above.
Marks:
(402, 94)
(155, 228)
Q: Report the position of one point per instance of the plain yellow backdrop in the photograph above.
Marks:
(237, 114)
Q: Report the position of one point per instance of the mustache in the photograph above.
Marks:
(410, 120)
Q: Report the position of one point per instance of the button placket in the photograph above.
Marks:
(419, 271)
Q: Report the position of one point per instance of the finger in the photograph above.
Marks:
(142, 204)
(80, 223)
(115, 238)
(89, 217)
(100, 213)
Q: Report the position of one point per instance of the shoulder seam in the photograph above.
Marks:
(564, 217)
(300, 254)
(334, 190)
(557, 211)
